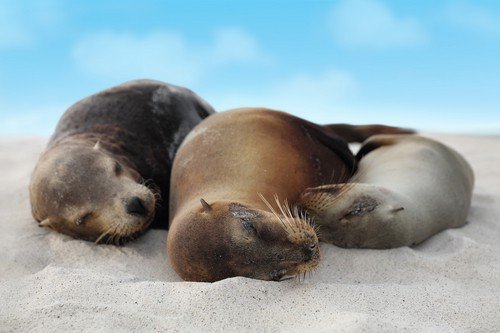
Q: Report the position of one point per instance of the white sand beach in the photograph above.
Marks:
(51, 282)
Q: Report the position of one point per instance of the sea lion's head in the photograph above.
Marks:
(86, 192)
(357, 214)
(222, 239)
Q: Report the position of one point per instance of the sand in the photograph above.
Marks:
(51, 282)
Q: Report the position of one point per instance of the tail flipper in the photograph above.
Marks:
(359, 133)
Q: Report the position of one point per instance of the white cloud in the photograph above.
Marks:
(334, 96)
(314, 97)
(22, 22)
(115, 55)
(235, 45)
(370, 23)
(473, 17)
(163, 55)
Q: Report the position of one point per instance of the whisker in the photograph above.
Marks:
(293, 215)
(155, 190)
(273, 211)
(116, 239)
(281, 209)
(102, 236)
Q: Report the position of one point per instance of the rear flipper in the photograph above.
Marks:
(357, 215)
(359, 133)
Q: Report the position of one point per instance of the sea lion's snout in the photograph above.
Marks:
(139, 203)
(311, 253)
(135, 206)
(277, 275)
(310, 259)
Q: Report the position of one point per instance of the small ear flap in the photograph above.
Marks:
(45, 223)
(97, 145)
(206, 206)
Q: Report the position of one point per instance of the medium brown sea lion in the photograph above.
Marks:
(110, 155)
(220, 227)
(407, 188)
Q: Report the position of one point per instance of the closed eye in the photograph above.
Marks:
(81, 220)
(248, 225)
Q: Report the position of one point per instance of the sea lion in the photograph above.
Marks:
(110, 158)
(219, 225)
(406, 189)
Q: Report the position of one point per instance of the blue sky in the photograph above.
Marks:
(430, 65)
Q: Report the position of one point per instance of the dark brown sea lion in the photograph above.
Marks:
(110, 158)
(407, 188)
(220, 227)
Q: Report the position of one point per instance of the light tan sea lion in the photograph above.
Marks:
(220, 227)
(406, 189)
(110, 158)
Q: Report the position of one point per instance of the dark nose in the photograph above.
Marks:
(135, 206)
(310, 252)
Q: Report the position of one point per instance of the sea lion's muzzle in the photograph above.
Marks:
(311, 253)
(135, 206)
(277, 275)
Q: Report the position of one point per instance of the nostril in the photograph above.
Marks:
(135, 206)
(310, 251)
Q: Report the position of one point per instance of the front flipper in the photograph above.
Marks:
(357, 215)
